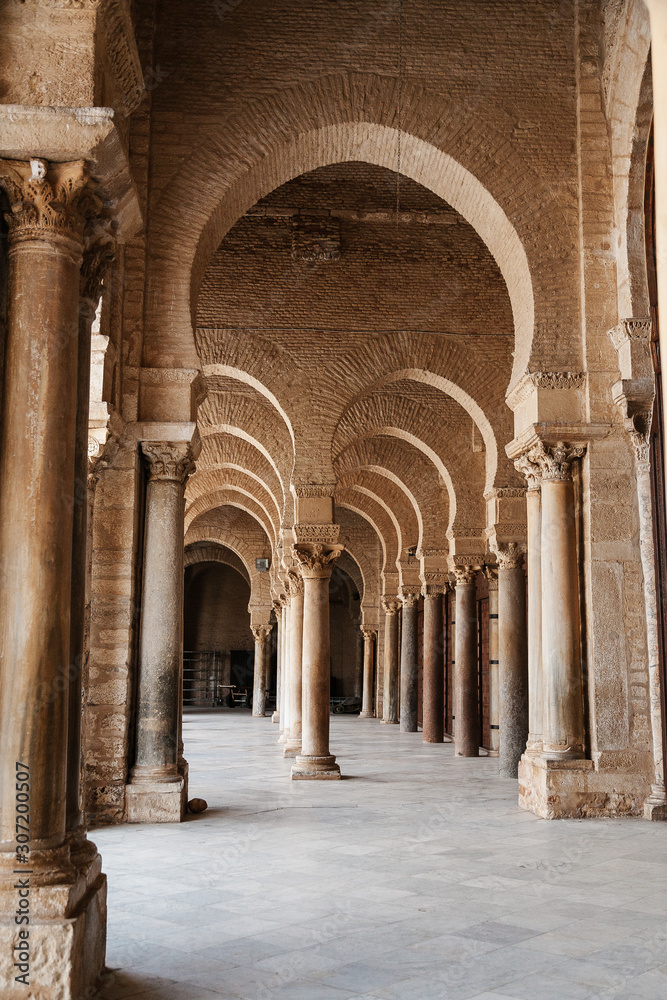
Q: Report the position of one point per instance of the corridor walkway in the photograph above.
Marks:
(416, 878)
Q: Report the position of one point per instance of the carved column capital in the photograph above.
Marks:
(98, 255)
(510, 555)
(316, 561)
(491, 574)
(555, 461)
(465, 575)
(261, 632)
(409, 598)
(277, 609)
(295, 583)
(47, 200)
(168, 460)
(391, 605)
(369, 634)
(431, 589)
(530, 469)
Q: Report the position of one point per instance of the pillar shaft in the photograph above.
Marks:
(494, 680)
(409, 664)
(278, 611)
(434, 671)
(293, 743)
(285, 691)
(390, 695)
(261, 634)
(513, 657)
(466, 732)
(160, 643)
(315, 761)
(369, 635)
(534, 568)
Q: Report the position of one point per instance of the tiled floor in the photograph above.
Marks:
(416, 878)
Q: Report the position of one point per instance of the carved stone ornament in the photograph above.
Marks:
(277, 609)
(295, 583)
(555, 461)
(510, 555)
(315, 560)
(529, 468)
(642, 448)
(506, 492)
(434, 589)
(409, 598)
(168, 460)
(465, 575)
(391, 605)
(98, 256)
(630, 329)
(491, 574)
(325, 534)
(261, 632)
(558, 380)
(369, 634)
(46, 199)
(310, 490)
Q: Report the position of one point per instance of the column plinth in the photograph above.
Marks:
(391, 606)
(369, 635)
(466, 684)
(50, 205)
(157, 787)
(293, 741)
(433, 727)
(315, 761)
(409, 665)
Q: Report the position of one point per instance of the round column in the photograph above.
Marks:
(491, 574)
(563, 722)
(434, 667)
(369, 635)
(533, 476)
(278, 611)
(409, 664)
(315, 761)
(391, 607)
(293, 742)
(261, 634)
(160, 642)
(284, 694)
(513, 657)
(466, 732)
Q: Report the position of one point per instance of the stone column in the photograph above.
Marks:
(369, 635)
(491, 574)
(513, 657)
(409, 663)
(466, 731)
(315, 761)
(531, 471)
(261, 634)
(156, 787)
(278, 611)
(563, 702)
(433, 726)
(296, 588)
(98, 254)
(37, 474)
(391, 607)
(284, 694)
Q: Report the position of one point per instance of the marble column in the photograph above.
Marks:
(562, 691)
(98, 254)
(531, 471)
(513, 657)
(156, 788)
(278, 611)
(491, 574)
(391, 607)
(409, 663)
(296, 589)
(37, 473)
(315, 760)
(261, 634)
(433, 696)
(466, 732)
(285, 687)
(369, 635)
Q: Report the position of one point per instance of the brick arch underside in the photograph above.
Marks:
(351, 118)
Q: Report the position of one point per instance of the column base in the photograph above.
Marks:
(307, 768)
(292, 748)
(275, 717)
(573, 789)
(389, 722)
(366, 715)
(655, 806)
(67, 940)
(155, 801)
(408, 727)
(493, 753)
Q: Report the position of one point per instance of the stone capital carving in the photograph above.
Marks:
(641, 443)
(277, 609)
(491, 574)
(98, 255)
(555, 461)
(295, 583)
(310, 490)
(465, 575)
(316, 561)
(409, 598)
(432, 590)
(558, 380)
(261, 632)
(510, 555)
(168, 460)
(47, 199)
(369, 634)
(529, 468)
(321, 534)
(391, 605)
(630, 329)
(505, 492)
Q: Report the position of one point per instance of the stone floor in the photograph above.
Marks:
(416, 878)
